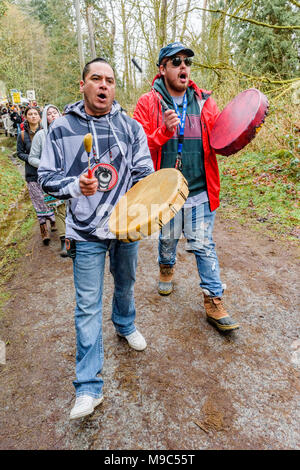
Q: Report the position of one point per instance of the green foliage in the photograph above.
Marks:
(266, 51)
(38, 50)
(17, 216)
(62, 64)
(43, 11)
(264, 186)
(3, 7)
(103, 35)
(22, 51)
(11, 182)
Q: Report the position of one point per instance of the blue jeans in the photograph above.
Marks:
(88, 267)
(196, 223)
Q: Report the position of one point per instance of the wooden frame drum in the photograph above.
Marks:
(149, 205)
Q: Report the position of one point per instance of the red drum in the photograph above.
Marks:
(239, 122)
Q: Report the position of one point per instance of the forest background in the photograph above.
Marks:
(238, 44)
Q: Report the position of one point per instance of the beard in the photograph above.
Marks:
(175, 85)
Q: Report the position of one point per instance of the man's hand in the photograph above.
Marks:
(171, 120)
(88, 186)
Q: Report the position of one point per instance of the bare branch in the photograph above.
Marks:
(295, 3)
(185, 19)
(221, 66)
(283, 92)
(250, 20)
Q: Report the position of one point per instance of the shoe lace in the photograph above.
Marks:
(218, 304)
(166, 270)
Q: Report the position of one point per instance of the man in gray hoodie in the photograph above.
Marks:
(119, 158)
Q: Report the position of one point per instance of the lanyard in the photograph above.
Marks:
(182, 117)
(106, 173)
(96, 152)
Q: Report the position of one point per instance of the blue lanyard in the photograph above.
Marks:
(182, 118)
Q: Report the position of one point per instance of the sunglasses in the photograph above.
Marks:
(176, 61)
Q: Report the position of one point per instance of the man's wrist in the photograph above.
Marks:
(167, 132)
(74, 188)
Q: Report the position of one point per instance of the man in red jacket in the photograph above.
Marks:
(177, 117)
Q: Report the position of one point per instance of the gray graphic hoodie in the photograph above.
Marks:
(118, 140)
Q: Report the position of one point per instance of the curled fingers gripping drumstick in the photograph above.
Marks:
(164, 105)
(88, 142)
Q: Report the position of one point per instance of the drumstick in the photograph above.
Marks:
(163, 103)
(88, 142)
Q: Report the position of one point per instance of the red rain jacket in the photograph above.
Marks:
(148, 112)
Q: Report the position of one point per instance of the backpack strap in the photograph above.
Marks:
(22, 136)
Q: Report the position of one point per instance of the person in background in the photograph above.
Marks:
(16, 118)
(50, 113)
(5, 119)
(22, 114)
(178, 137)
(32, 125)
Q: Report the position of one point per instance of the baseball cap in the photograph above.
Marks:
(172, 49)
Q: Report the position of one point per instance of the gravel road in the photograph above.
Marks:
(192, 388)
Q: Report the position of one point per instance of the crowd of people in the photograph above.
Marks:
(31, 124)
(12, 117)
(58, 169)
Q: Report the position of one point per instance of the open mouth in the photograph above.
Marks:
(183, 77)
(102, 96)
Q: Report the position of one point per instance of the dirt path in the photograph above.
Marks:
(192, 388)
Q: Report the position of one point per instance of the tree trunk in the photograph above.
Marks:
(221, 40)
(113, 27)
(163, 24)
(79, 35)
(89, 20)
(203, 27)
(186, 14)
(174, 21)
(125, 45)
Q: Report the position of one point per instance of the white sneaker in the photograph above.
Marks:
(136, 340)
(84, 405)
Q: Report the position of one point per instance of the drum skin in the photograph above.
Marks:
(239, 122)
(149, 205)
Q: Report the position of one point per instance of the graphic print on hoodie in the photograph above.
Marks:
(118, 140)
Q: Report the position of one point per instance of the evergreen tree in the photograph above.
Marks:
(103, 29)
(23, 51)
(266, 51)
(63, 71)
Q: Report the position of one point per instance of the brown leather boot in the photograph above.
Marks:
(166, 273)
(45, 234)
(217, 315)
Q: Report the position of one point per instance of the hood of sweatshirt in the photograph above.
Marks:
(78, 109)
(44, 116)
